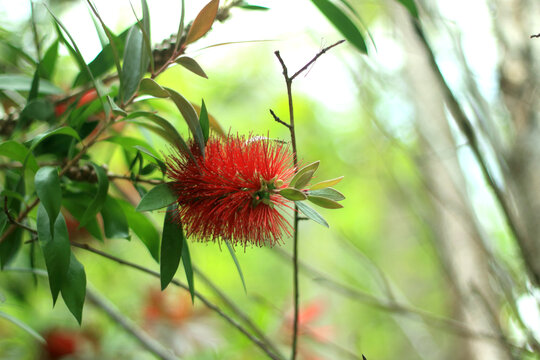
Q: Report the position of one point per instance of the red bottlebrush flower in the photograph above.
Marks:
(230, 194)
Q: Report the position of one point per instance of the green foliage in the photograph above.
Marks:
(172, 243)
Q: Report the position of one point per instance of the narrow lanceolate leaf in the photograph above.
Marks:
(309, 167)
(205, 123)
(115, 223)
(324, 202)
(304, 179)
(311, 213)
(342, 23)
(56, 249)
(171, 247)
(213, 123)
(326, 183)
(150, 87)
(190, 115)
(17, 82)
(153, 155)
(203, 22)
(186, 260)
(101, 195)
(134, 58)
(411, 6)
(74, 288)
(47, 64)
(147, 36)
(157, 198)
(329, 193)
(180, 25)
(238, 268)
(292, 194)
(117, 110)
(49, 192)
(143, 228)
(23, 326)
(191, 65)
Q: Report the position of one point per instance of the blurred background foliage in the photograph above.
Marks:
(399, 274)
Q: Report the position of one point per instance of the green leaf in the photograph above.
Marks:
(76, 53)
(134, 58)
(329, 193)
(56, 249)
(191, 65)
(326, 183)
(39, 109)
(204, 121)
(16, 82)
(150, 87)
(292, 194)
(311, 213)
(113, 50)
(108, 57)
(65, 130)
(180, 26)
(49, 192)
(158, 197)
(18, 152)
(254, 7)
(233, 255)
(74, 288)
(190, 115)
(23, 326)
(186, 260)
(171, 247)
(411, 6)
(165, 130)
(99, 199)
(342, 23)
(152, 154)
(146, 35)
(34, 89)
(324, 202)
(131, 144)
(143, 228)
(309, 167)
(9, 247)
(203, 22)
(117, 110)
(304, 179)
(115, 222)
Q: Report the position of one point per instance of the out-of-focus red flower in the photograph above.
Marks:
(60, 343)
(172, 318)
(307, 329)
(68, 343)
(231, 193)
(86, 98)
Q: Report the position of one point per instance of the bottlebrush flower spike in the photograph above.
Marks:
(232, 193)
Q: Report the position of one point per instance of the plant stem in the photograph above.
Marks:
(290, 126)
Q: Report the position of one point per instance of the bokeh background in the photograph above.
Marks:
(419, 264)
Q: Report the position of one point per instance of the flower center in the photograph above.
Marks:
(263, 194)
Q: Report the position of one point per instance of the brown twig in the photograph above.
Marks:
(290, 126)
(277, 119)
(203, 299)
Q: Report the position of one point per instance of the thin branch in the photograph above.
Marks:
(290, 126)
(15, 222)
(277, 119)
(231, 305)
(305, 67)
(146, 341)
(203, 299)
